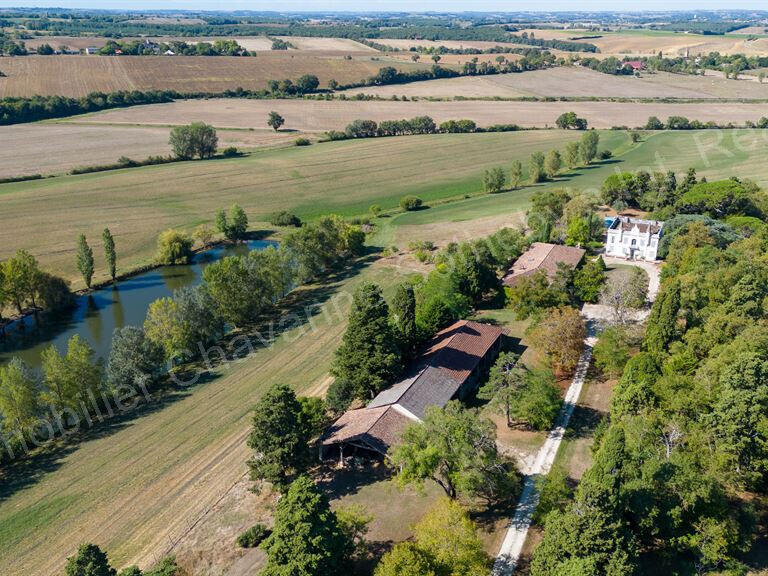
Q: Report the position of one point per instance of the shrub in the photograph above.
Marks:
(409, 203)
(284, 218)
(302, 142)
(230, 152)
(253, 536)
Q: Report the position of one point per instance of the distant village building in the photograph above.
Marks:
(633, 239)
(545, 257)
(449, 368)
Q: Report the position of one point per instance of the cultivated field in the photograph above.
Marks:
(250, 43)
(79, 75)
(576, 82)
(344, 177)
(50, 148)
(646, 42)
(322, 115)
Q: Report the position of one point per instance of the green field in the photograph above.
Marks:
(344, 177)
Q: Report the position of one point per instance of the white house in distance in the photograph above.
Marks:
(633, 239)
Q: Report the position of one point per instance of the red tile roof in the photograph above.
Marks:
(543, 256)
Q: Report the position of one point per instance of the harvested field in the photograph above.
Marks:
(407, 44)
(326, 44)
(576, 82)
(645, 42)
(50, 148)
(79, 75)
(317, 115)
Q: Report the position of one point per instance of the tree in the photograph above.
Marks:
(553, 163)
(307, 83)
(165, 327)
(84, 260)
(174, 247)
(204, 235)
(536, 167)
(450, 536)
(560, 335)
(588, 146)
(236, 226)
(196, 139)
(589, 280)
(507, 376)
(516, 175)
(409, 203)
(134, 359)
(494, 180)
(21, 276)
(662, 322)
(406, 559)
(654, 123)
(572, 154)
(741, 419)
(307, 539)
(457, 449)
(110, 256)
(538, 401)
(368, 357)
(353, 521)
(90, 560)
(72, 378)
(19, 398)
(625, 292)
(279, 438)
(568, 120)
(403, 311)
(612, 351)
(275, 121)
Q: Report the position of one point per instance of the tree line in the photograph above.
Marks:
(419, 125)
(682, 456)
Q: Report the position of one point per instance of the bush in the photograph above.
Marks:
(253, 536)
(230, 152)
(284, 218)
(302, 142)
(612, 351)
(410, 203)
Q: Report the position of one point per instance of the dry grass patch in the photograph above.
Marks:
(56, 148)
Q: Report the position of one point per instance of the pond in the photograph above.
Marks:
(96, 315)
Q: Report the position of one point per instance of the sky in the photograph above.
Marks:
(396, 5)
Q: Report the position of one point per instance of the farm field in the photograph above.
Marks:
(50, 148)
(250, 43)
(323, 115)
(78, 75)
(343, 177)
(575, 82)
(646, 42)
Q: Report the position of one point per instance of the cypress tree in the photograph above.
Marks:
(368, 357)
(84, 259)
(662, 323)
(109, 252)
(404, 316)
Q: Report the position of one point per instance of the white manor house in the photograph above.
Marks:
(633, 239)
